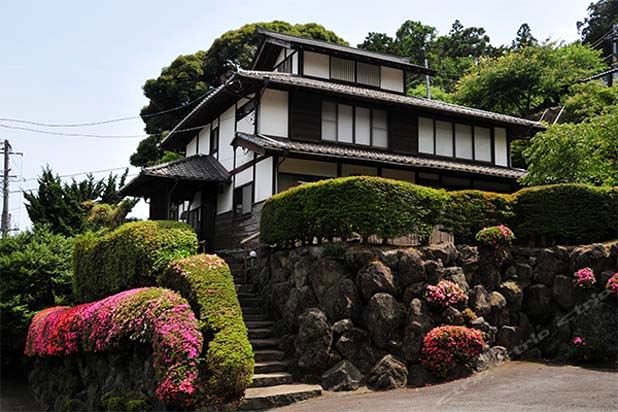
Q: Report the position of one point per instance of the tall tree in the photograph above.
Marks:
(188, 77)
(528, 80)
(379, 42)
(524, 38)
(602, 15)
(62, 206)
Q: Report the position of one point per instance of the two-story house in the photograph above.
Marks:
(310, 110)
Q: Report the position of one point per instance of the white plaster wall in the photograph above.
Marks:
(196, 202)
(264, 179)
(308, 167)
(316, 64)
(204, 139)
(281, 56)
(273, 113)
(243, 177)
(500, 144)
(191, 148)
(295, 63)
(224, 200)
(243, 156)
(391, 79)
(226, 135)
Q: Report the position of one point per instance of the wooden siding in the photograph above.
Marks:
(305, 116)
(230, 229)
(403, 132)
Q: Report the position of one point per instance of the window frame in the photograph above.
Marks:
(240, 190)
(214, 141)
(354, 106)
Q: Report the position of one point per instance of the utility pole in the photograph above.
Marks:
(5, 190)
(427, 81)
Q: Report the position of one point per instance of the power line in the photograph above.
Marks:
(82, 173)
(108, 121)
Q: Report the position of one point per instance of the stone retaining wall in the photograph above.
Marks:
(359, 313)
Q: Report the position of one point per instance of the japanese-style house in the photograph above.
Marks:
(310, 110)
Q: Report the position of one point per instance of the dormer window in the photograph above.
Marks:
(342, 69)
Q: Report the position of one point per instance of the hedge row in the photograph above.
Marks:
(337, 208)
(206, 282)
(130, 256)
(554, 214)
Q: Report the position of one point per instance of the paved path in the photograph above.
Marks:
(514, 386)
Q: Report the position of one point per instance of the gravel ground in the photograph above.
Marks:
(513, 386)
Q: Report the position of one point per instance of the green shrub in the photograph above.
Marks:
(35, 268)
(343, 206)
(495, 236)
(566, 214)
(469, 211)
(129, 256)
(207, 283)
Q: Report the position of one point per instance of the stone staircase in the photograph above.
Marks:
(272, 385)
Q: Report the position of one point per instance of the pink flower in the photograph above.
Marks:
(579, 341)
(584, 278)
(612, 285)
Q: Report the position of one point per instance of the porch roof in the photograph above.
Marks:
(263, 144)
(196, 168)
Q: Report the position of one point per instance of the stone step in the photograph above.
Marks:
(270, 366)
(280, 395)
(265, 355)
(252, 301)
(244, 288)
(250, 317)
(270, 379)
(264, 343)
(251, 310)
(258, 324)
(259, 333)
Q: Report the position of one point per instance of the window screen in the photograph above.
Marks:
(342, 69)
(362, 126)
(329, 121)
(368, 74)
(379, 128)
(463, 141)
(444, 138)
(243, 199)
(345, 123)
(482, 144)
(425, 135)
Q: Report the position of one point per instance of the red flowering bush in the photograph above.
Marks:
(445, 294)
(612, 285)
(584, 278)
(495, 236)
(154, 315)
(445, 347)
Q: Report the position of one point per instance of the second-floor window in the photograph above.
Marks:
(354, 72)
(214, 140)
(345, 123)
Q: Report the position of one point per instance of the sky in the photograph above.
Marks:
(84, 61)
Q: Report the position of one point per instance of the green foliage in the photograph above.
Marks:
(598, 328)
(206, 282)
(495, 236)
(36, 273)
(602, 15)
(340, 207)
(469, 211)
(62, 207)
(129, 256)
(528, 80)
(437, 93)
(588, 100)
(189, 76)
(566, 214)
(524, 38)
(575, 153)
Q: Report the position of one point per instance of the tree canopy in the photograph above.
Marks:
(602, 15)
(64, 207)
(189, 77)
(575, 153)
(527, 80)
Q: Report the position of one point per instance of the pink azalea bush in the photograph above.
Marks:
(495, 236)
(584, 278)
(445, 294)
(445, 347)
(154, 315)
(612, 285)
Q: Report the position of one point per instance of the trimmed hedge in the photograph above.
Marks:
(129, 256)
(556, 214)
(207, 284)
(566, 214)
(340, 207)
(469, 211)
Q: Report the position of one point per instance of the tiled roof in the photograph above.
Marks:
(320, 44)
(379, 95)
(360, 153)
(199, 168)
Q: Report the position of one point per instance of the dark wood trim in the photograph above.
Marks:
(274, 172)
(301, 61)
(339, 167)
(247, 165)
(253, 180)
(492, 140)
